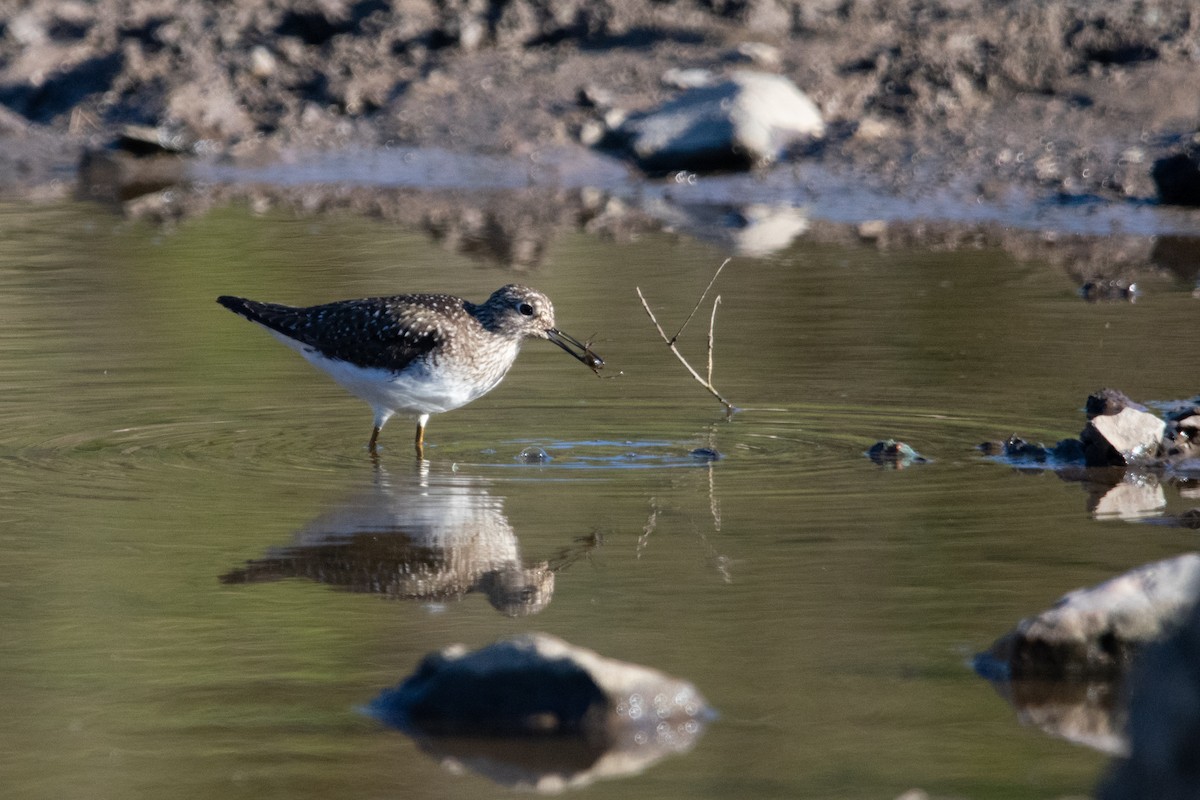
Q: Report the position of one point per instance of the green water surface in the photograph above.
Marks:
(153, 442)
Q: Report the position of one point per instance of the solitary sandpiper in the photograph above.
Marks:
(419, 354)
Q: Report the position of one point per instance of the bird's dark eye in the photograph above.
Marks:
(525, 310)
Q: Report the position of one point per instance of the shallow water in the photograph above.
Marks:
(827, 608)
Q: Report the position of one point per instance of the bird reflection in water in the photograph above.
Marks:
(431, 541)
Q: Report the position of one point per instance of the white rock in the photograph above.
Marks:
(1137, 606)
(1134, 434)
(748, 119)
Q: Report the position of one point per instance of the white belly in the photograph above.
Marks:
(412, 391)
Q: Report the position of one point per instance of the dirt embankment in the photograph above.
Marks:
(1061, 97)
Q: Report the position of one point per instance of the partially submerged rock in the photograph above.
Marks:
(1095, 632)
(897, 455)
(1119, 433)
(746, 120)
(536, 712)
(536, 685)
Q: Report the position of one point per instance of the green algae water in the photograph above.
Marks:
(157, 448)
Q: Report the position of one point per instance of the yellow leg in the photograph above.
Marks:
(374, 440)
(419, 440)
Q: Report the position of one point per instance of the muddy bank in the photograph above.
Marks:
(1058, 102)
(516, 228)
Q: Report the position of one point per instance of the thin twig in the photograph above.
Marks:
(712, 323)
(704, 294)
(707, 384)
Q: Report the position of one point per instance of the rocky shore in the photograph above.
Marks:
(1063, 100)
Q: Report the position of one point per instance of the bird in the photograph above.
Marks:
(419, 354)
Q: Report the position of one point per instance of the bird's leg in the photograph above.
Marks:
(419, 440)
(371, 448)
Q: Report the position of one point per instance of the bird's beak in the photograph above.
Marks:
(570, 343)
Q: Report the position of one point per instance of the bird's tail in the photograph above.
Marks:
(272, 315)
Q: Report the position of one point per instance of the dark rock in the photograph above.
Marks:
(536, 685)
(1016, 449)
(1177, 177)
(1095, 632)
(744, 121)
(1108, 401)
(1069, 451)
(1164, 723)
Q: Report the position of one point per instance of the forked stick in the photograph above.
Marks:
(696, 307)
(670, 341)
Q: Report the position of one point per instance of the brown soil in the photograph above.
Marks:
(981, 99)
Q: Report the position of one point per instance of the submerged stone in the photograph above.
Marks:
(533, 455)
(897, 455)
(536, 685)
(534, 712)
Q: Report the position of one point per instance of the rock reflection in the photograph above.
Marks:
(1089, 713)
(754, 230)
(554, 764)
(1135, 496)
(1113, 493)
(416, 539)
(1131, 495)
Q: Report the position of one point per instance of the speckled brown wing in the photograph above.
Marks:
(377, 332)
